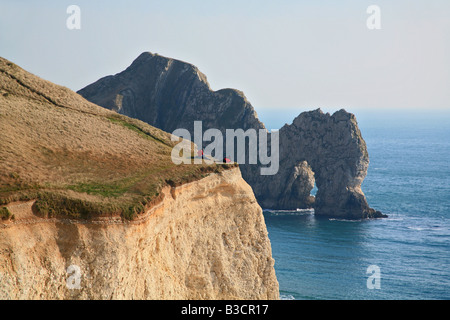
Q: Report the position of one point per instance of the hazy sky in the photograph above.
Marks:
(282, 54)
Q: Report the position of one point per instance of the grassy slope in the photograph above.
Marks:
(77, 159)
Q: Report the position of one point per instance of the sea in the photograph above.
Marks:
(403, 257)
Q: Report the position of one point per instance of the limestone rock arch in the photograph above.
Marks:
(329, 150)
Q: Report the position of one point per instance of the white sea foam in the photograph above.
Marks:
(290, 212)
(394, 219)
(286, 297)
(416, 228)
(344, 220)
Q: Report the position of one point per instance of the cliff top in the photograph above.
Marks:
(76, 158)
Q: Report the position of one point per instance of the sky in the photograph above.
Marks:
(286, 56)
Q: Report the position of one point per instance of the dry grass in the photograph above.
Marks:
(76, 158)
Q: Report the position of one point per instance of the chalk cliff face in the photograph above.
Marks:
(316, 147)
(205, 240)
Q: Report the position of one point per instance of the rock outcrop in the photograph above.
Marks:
(317, 147)
(327, 150)
(205, 240)
(171, 94)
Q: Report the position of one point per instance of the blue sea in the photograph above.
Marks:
(408, 179)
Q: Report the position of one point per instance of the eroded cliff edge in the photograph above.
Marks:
(206, 240)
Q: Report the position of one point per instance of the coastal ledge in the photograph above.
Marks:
(205, 240)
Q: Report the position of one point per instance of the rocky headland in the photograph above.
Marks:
(317, 148)
(92, 207)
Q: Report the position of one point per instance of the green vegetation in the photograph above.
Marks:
(95, 188)
(127, 123)
(5, 214)
(128, 198)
